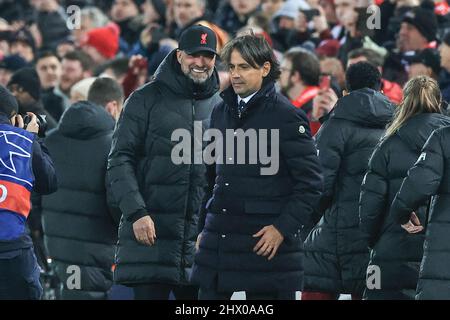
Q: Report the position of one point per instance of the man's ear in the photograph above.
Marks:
(112, 108)
(266, 68)
(179, 56)
(344, 92)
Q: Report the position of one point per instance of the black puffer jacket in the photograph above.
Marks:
(336, 253)
(430, 176)
(144, 180)
(78, 228)
(245, 200)
(396, 252)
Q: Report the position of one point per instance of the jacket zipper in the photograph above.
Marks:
(182, 273)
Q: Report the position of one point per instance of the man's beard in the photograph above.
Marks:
(285, 89)
(197, 78)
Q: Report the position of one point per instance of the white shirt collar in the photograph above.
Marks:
(246, 99)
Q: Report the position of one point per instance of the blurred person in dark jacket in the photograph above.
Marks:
(25, 166)
(79, 229)
(299, 81)
(396, 252)
(48, 68)
(392, 90)
(336, 251)
(51, 21)
(8, 66)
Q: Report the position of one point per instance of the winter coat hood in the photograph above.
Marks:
(84, 120)
(365, 106)
(170, 74)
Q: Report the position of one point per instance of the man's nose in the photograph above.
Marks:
(200, 61)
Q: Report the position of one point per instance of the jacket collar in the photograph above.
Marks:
(230, 97)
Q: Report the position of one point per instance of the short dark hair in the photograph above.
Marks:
(119, 66)
(371, 55)
(256, 51)
(104, 90)
(84, 59)
(306, 64)
(46, 54)
(362, 75)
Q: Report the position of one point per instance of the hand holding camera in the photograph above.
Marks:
(31, 123)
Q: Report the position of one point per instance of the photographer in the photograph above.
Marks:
(25, 166)
(26, 87)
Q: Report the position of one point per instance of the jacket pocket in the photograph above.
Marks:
(263, 207)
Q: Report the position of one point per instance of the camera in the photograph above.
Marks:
(41, 121)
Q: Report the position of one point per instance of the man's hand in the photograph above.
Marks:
(269, 243)
(413, 225)
(144, 231)
(323, 102)
(17, 121)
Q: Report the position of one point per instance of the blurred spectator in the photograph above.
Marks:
(26, 87)
(270, 7)
(287, 25)
(126, 13)
(79, 91)
(91, 18)
(16, 10)
(8, 66)
(51, 21)
(191, 12)
(232, 15)
(116, 69)
(107, 93)
(75, 66)
(48, 68)
(391, 15)
(334, 67)
(102, 44)
(328, 48)
(418, 31)
(352, 130)
(444, 83)
(425, 63)
(5, 38)
(23, 44)
(153, 43)
(299, 81)
(78, 228)
(390, 89)
(154, 11)
(64, 47)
